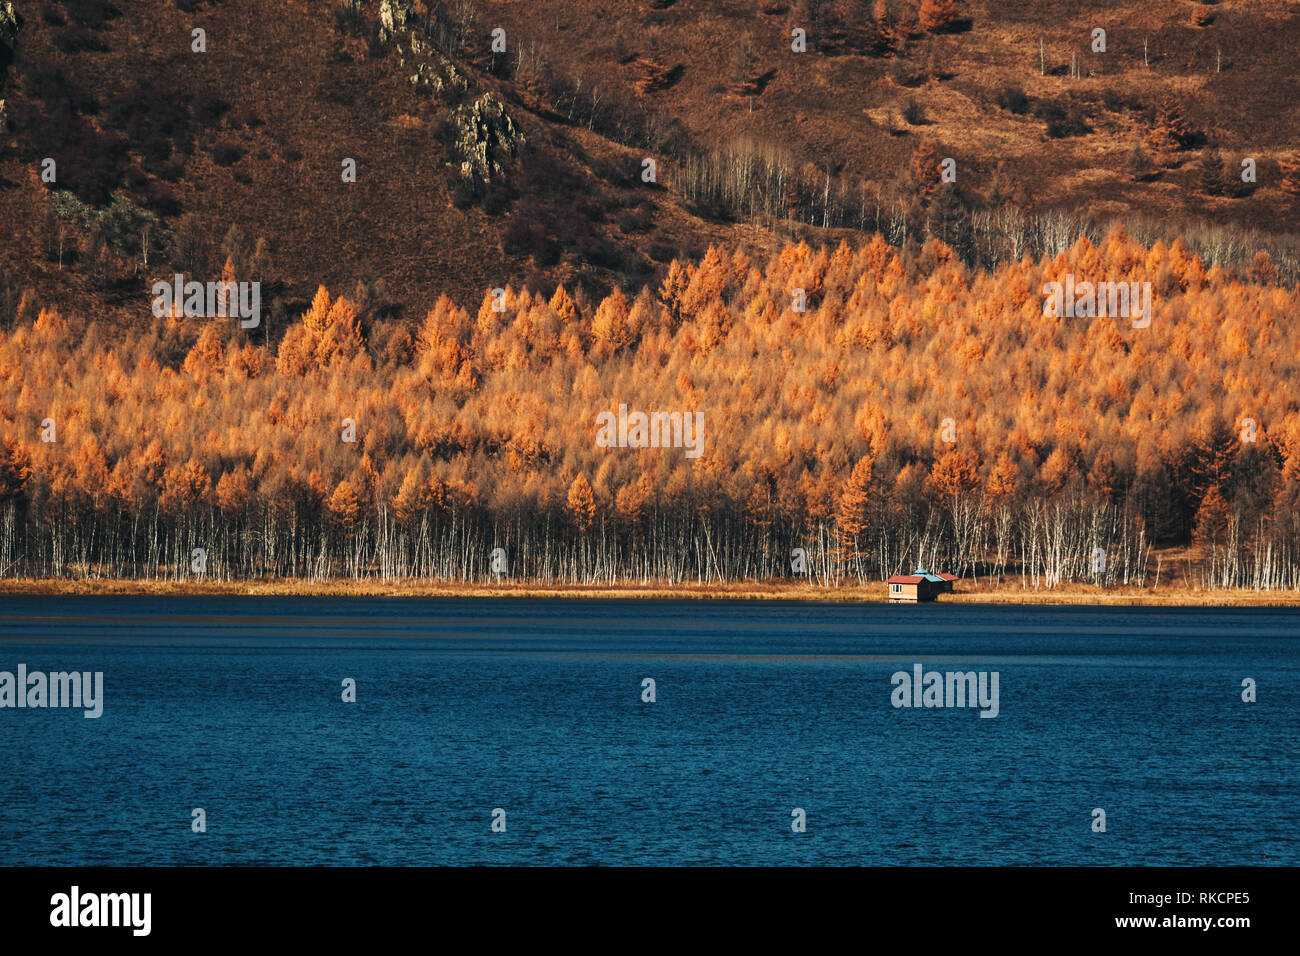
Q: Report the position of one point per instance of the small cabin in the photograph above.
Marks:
(920, 585)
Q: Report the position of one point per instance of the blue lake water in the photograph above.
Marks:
(233, 704)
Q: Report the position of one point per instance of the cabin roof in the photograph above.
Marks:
(930, 576)
(905, 579)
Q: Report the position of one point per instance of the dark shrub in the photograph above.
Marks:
(75, 40)
(209, 107)
(55, 87)
(601, 252)
(153, 116)
(523, 236)
(661, 251)
(546, 251)
(496, 199)
(1117, 102)
(611, 202)
(155, 150)
(1063, 120)
(227, 154)
(516, 237)
(1013, 98)
(91, 13)
(171, 170)
(159, 198)
(588, 209)
(466, 191)
(903, 73)
(135, 176)
(89, 163)
(635, 221)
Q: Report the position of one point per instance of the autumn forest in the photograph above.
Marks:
(914, 409)
(799, 253)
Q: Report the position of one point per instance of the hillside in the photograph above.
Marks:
(250, 136)
(210, 152)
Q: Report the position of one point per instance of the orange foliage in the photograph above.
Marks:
(582, 504)
(823, 416)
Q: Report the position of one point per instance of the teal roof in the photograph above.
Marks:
(922, 572)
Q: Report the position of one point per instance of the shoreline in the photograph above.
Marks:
(875, 593)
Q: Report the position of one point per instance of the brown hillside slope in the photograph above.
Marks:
(251, 133)
(300, 100)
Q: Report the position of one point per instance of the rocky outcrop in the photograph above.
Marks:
(392, 19)
(483, 136)
(431, 72)
(486, 137)
(436, 75)
(10, 24)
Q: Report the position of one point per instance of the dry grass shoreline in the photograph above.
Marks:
(967, 593)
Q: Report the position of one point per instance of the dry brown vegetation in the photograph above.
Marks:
(746, 590)
(250, 136)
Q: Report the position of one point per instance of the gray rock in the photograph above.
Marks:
(10, 23)
(438, 75)
(487, 137)
(392, 18)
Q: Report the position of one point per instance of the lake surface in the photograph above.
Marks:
(234, 705)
